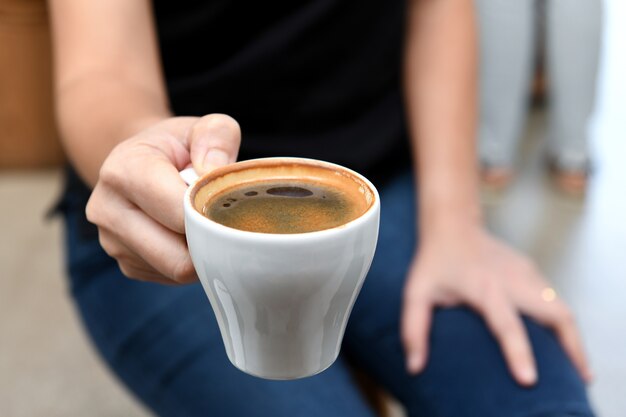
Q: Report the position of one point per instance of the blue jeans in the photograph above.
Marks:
(164, 344)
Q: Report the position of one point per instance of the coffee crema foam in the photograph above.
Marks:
(284, 206)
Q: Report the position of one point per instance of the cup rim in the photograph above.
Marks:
(190, 209)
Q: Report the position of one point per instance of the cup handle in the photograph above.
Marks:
(189, 175)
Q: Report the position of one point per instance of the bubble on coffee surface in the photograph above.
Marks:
(283, 207)
(290, 192)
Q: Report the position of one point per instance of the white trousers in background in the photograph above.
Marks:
(508, 39)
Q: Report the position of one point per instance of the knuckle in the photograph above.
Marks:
(120, 254)
(128, 270)
(101, 216)
(91, 209)
(111, 175)
(483, 290)
(116, 253)
(113, 250)
(184, 271)
(104, 243)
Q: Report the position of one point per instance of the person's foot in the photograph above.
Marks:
(571, 181)
(496, 178)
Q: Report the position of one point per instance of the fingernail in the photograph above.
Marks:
(527, 375)
(215, 158)
(414, 362)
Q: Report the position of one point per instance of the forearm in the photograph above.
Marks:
(95, 113)
(108, 78)
(440, 93)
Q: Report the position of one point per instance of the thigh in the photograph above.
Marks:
(164, 344)
(466, 374)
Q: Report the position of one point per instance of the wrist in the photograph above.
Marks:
(450, 219)
(448, 203)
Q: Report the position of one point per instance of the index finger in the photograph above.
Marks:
(143, 173)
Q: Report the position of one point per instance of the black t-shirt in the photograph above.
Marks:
(316, 78)
(310, 78)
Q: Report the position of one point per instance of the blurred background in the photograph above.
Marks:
(47, 367)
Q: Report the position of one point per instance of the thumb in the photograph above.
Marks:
(214, 142)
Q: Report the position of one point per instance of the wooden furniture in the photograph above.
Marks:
(28, 137)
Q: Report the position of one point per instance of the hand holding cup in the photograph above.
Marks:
(136, 202)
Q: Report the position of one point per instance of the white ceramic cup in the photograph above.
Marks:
(281, 301)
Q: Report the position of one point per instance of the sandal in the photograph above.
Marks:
(572, 181)
(496, 178)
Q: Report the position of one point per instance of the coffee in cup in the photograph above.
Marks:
(286, 206)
